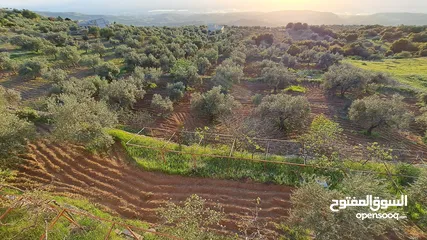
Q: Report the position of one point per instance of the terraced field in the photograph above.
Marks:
(133, 193)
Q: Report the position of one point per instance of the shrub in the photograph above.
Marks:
(185, 71)
(213, 103)
(296, 89)
(122, 93)
(402, 45)
(312, 204)
(191, 219)
(373, 112)
(107, 70)
(344, 77)
(98, 48)
(14, 131)
(175, 90)
(203, 65)
(55, 75)
(286, 112)
(227, 73)
(324, 137)
(91, 61)
(32, 69)
(69, 56)
(276, 75)
(81, 120)
(164, 105)
(256, 99)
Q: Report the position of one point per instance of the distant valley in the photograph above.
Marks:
(270, 19)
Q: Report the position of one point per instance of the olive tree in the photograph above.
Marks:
(152, 75)
(58, 39)
(203, 65)
(122, 93)
(175, 90)
(55, 75)
(28, 43)
(14, 131)
(5, 61)
(122, 50)
(69, 56)
(417, 192)
(211, 54)
(98, 48)
(164, 105)
(191, 219)
(323, 139)
(308, 56)
(95, 31)
(107, 33)
(344, 77)
(327, 60)
(81, 120)
(50, 50)
(228, 73)
(374, 112)
(276, 75)
(311, 210)
(107, 70)
(82, 87)
(185, 71)
(32, 68)
(288, 113)
(213, 103)
(91, 61)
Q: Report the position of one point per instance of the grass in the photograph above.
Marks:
(23, 223)
(409, 71)
(296, 89)
(226, 168)
(214, 167)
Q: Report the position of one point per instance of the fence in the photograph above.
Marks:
(263, 159)
(268, 146)
(237, 143)
(69, 214)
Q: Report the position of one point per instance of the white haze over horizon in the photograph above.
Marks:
(218, 6)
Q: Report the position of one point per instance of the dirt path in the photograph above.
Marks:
(134, 193)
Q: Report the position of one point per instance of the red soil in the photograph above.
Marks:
(134, 193)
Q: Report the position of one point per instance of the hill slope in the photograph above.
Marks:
(271, 19)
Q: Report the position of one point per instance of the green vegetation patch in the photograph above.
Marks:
(410, 71)
(29, 222)
(151, 159)
(296, 89)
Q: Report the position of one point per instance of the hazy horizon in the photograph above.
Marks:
(142, 6)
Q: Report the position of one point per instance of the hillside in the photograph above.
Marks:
(270, 19)
(236, 133)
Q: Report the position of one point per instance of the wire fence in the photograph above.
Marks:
(267, 146)
(197, 159)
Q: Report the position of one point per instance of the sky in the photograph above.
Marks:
(139, 6)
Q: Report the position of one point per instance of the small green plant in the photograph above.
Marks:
(296, 89)
(256, 99)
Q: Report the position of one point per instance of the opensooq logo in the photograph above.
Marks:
(374, 204)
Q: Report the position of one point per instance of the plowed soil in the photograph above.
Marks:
(130, 192)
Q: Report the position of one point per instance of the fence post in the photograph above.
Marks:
(194, 161)
(52, 224)
(162, 155)
(232, 148)
(109, 231)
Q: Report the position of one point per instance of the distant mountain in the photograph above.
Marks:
(271, 19)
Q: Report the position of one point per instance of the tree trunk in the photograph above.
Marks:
(369, 131)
